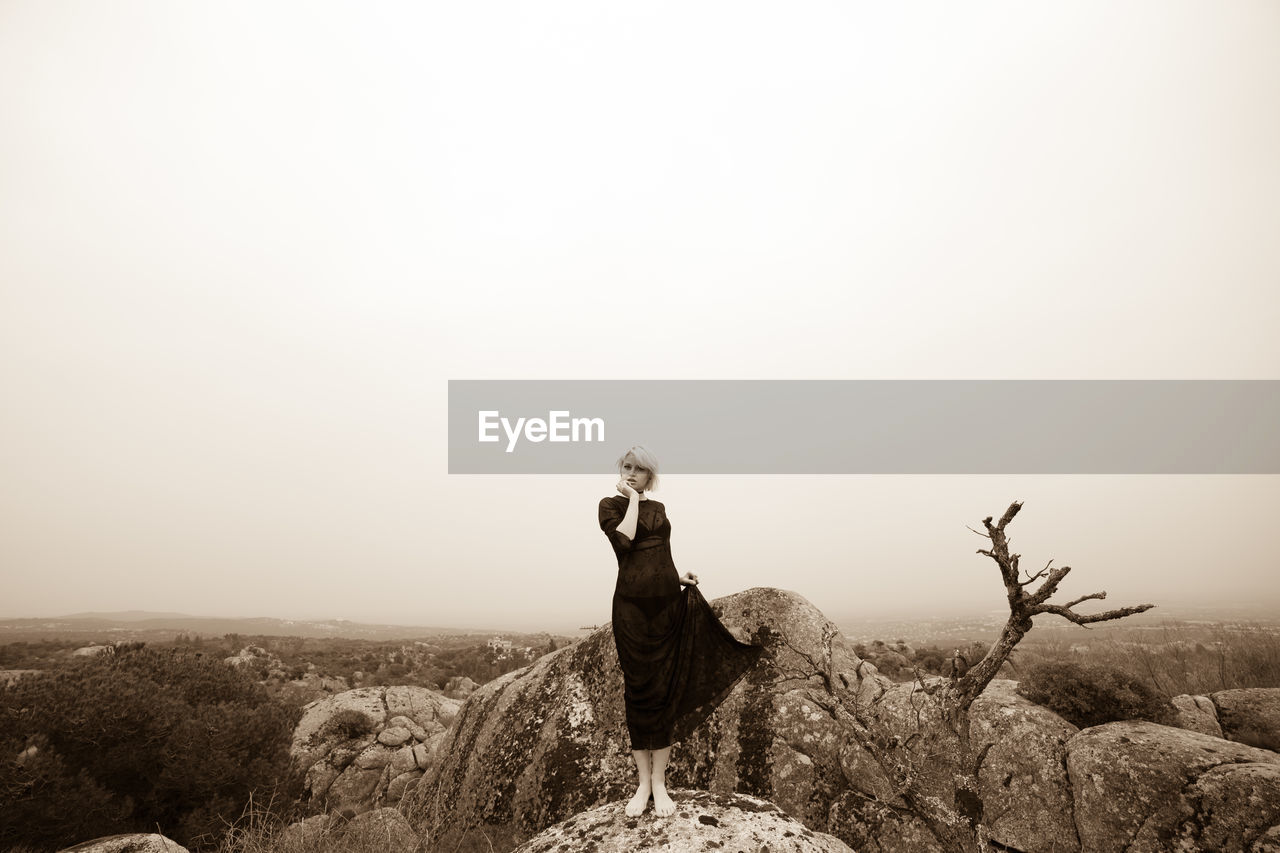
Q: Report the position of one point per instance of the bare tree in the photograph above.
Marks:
(936, 730)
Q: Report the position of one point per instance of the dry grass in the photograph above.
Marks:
(264, 829)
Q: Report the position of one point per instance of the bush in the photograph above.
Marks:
(133, 741)
(1090, 695)
(348, 723)
(931, 659)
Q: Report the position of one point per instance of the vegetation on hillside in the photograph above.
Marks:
(172, 739)
(136, 740)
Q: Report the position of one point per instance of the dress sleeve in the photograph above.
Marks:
(610, 517)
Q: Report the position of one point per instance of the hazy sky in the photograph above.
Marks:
(243, 247)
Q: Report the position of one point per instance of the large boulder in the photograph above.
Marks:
(703, 821)
(135, 842)
(1250, 716)
(1140, 786)
(1023, 778)
(538, 745)
(1196, 714)
(367, 746)
(384, 829)
(1023, 796)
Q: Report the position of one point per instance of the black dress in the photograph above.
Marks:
(678, 661)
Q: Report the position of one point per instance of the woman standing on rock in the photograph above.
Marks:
(678, 662)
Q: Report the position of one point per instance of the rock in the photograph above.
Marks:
(257, 659)
(1228, 804)
(1023, 779)
(11, 676)
(402, 760)
(1250, 716)
(318, 731)
(306, 834)
(374, 758)
(400, 785)
(383, 829)
(1197, 714)
(137, 842)
(430, 710)
(459, 687)
(93, 651)
(1024, 796)
(312, 687)
(702, 821)
(26, 755)
(394, 736)
(346, 743)
(536, 746)
(1268, 842)
(1137, 785)
(354, 790)
(416, 731)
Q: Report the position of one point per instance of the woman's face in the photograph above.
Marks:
(635, 474)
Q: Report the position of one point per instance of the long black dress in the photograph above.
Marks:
(678, 661)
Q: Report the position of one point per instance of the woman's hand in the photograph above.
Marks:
(626, 489)
(689, 579)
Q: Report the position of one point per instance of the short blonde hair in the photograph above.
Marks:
(646, 459)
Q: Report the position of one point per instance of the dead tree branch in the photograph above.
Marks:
(1023, 604)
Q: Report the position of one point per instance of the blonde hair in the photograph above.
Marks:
(645, 458)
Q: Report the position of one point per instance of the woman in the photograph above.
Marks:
(678, 661)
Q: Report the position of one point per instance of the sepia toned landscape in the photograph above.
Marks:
(948, 331)
(1144, 733)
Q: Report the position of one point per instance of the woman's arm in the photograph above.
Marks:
(627, 527)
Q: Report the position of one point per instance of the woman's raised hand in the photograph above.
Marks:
(626, 489)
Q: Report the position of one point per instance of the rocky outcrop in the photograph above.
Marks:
(258, 661)
(1250, 716)
(1139, 786)
(702, 821)
(369, 745)
(1196, 714)
(538, 745)
(10, 676)
(140, 842)
(312, 687)
(459, 687)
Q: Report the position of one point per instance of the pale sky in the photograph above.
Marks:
(244, 246)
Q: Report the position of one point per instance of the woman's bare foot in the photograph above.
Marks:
(639, 802)
(662, 804)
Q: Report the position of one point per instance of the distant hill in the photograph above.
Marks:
(128, 615)
(131, 624)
